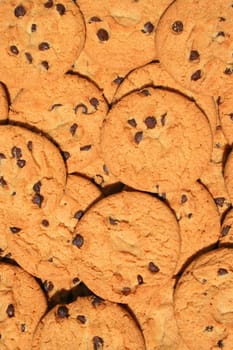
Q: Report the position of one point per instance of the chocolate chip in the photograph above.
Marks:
(138, 137)
(56, 105)
(228, 71)
(132, 122)
(45, 64)
(48, 286)
(82, 106)
(16, 152)
(45, 223)
(209, 328)
(2, 156)
(73, 129)
(98, 343)
(220, 344)
(38, 199)
(196, 75)
(28, 57)
(103, 35)
(126, 291)
(82, 319)
(20, 11)
(76, 280)
(10, 310)
(36, 187)
(29, 145)
(225, 230)
(140, 279)
(105, 169)
(222, 272)
(66, 155)
(220, 34)
(94, 102)
(148, 27)
(50, 260)
(3, 182)
(15, 229)
(221, 19)
(184, 198)
(14, 50)
(94, 19)
(194, 55)
(33, 27)
(118, 80)
(163, 119)
(231, 116)
(113, 221)
(96, 301)
(145, 92)
(23, 327)
(189, 215)
(177, 27)
(78, 214)
(219, 201)
(150, 122)
(152, 267)
(63, 312)
(85, 148)
(48, 4)
(21, 163)
(61, 9)
(78, 241)
(43, 46)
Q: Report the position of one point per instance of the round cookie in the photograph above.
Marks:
(128, 229)
(228, 175)
(3, 103)
(155, 74)
(88, 324)
(197, 50)
(198, 218)
(226, 235)
(49, 252)
(72, 114)
(37, 40)
(203, 302)
(226, 115)
(22, 305)
(120, 37)
(149, 143)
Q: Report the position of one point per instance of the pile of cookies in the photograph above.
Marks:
(116, 184)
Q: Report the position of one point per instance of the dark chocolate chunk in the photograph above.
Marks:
(48, 4)
(94, 19)
(45, 64)
(63, 311)
(220, 34)
(23, 327)
(222, 272)
(209, 328)
(85, 148)
(29, 145)
(73, 129)
(152, 267)
(55, 106)
(177, 27)
(102, 35)
(194, 55)
(163, 119)
(228, 71)
(138, 137)
(150, 122)
(76, 280)
(48, 286)
(219, 201)
(10, 311)
(15, 229)
(61, 9)
(105, 169)
(28, 57)
(3, 182)
(126, 291)
(94, 102)
(78, 241)
(20, 11)
(196, 75)
(184, 198)
(220, 344)
(118, 80)
(148, 27)
(82, 319)
(33, 27)
(98, 343)
(36, 187)
(21, 163)
(2, 156)
(38, 199)
(113, 221)
(82, 106)
(140, 279)
(16, 152)
(225, 230)
(43, 46)
(14, 50)
(78, 214)
(45, 223)
(132, 122)
(66, 155)
(145, 92)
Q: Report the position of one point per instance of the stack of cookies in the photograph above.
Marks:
(116, 183)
